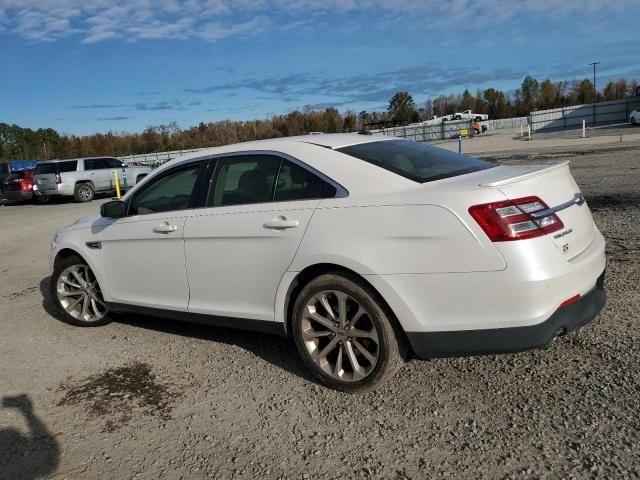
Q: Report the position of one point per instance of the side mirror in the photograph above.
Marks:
(113, 209)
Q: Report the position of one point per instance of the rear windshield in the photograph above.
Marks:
(416, 161)
(57, 167)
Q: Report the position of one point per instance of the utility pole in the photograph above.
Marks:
(595, 90)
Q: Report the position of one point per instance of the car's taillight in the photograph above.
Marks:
(512, 220)
(58, 179)
(26, 185)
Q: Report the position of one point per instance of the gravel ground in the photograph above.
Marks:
(151, 398)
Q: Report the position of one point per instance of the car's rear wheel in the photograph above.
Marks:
(84, 192)
(75, 291)
(344, 335)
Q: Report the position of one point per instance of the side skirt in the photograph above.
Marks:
(262, 326)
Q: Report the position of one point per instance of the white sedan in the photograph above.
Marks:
(365, 249)
(634, 116)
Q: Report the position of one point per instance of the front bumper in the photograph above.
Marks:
(515, 339)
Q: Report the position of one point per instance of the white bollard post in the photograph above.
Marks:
(521, 130)
(529, 131)
(584, 129)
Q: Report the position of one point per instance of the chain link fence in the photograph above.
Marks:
(157, 158)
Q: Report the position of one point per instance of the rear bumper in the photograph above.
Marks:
(17, 195)
(515, 339)
(59, 190)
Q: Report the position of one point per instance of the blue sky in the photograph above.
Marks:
(82, 66)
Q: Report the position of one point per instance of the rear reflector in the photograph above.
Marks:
(569, 301)
(511, 219)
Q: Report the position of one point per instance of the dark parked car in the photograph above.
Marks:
(18, 186)
(12, 166)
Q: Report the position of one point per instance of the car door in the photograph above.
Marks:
(96, 170)
(143, 253)
(240, 245)
(120, 171)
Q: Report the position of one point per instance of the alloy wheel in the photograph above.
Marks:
(340, 336)
(84, 192)
(79, 294)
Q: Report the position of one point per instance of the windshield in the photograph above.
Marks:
(416, 161)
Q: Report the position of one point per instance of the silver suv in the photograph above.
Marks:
(82, 178)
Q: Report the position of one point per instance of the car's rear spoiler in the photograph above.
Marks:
(533, 171)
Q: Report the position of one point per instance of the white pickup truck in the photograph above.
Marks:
(82, 178)
(435, 120)
(469, 115)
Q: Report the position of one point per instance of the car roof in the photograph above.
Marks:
(327, 140)
(337, 140)
(319, 152)
(58, 160)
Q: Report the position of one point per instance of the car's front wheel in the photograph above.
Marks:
(75, 291)
(344, 335)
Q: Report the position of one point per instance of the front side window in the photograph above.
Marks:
(241, 180)
(416, 161)
(169, 192)
(113, 163)
(297, 183)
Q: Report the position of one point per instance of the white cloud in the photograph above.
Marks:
(211, 20)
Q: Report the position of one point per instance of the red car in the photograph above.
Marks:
(18, 186)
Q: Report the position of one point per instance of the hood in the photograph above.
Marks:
(89, 221)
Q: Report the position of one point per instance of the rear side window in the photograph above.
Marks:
(68, 166)
(242, 180)
(95, 163)
(297, 183)
(4, 168)
(416, 161)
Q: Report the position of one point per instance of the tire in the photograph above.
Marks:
(84, 192)
(322, 347)
(634, 121)
(70, 295)
(41, 199)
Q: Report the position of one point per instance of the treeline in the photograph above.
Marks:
(17, 143)
(532, 95)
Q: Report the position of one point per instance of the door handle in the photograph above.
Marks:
(281, 223)
(165, 228)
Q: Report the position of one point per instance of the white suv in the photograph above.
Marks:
(360, 247)
(82, 178)
(634, 117)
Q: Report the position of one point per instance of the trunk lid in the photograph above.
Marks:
(45, 176)
(555, 186)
